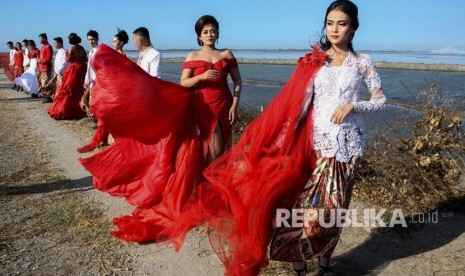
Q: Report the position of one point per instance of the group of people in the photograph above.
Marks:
(173, 156)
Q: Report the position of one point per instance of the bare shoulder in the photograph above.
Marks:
(192, 56)
(226, 53)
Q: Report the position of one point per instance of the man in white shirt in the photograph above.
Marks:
(149, 58)
(59, 65)
(92, 40)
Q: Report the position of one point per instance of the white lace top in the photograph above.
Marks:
(335, 86)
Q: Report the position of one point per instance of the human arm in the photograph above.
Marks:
(237, 80)
(377, 99)
(373, 82)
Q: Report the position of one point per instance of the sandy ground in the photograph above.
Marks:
(427, 248)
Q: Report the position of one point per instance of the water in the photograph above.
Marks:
(432, 57)
(402, 87)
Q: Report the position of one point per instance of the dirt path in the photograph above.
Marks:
(37, 149)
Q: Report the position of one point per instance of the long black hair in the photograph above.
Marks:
(348, 8)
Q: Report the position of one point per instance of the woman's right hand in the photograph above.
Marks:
(210, 75)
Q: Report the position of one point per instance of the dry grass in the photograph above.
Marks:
(416, 166)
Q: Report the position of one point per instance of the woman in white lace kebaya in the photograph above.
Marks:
(338, 140)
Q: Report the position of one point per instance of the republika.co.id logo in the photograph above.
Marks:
(349, 218)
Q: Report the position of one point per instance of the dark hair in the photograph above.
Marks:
(9, 43)
(205, 20)
(348, 8)
(143, 32)
(25, 41)
(122, 36)
(93, 34)
(31, 42)
(58, 40)
(20, 45)
(74, 39)
(43, 35)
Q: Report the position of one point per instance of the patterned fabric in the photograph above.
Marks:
(212, 101)
(329, 188)
(336, 86)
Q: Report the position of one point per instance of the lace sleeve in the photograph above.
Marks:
(373, 82)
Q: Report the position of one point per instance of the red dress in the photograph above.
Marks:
(212, 101)
(18, 58)
(66, 104)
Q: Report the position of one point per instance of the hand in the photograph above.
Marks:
(341, 113)
(233, 114)
(210, 75)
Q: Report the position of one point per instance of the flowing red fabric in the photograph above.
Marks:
(100, 136)
(266, 170)
(155, 158)
(7, 70)
(66, 103)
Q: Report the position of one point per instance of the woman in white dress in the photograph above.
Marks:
(28, 80)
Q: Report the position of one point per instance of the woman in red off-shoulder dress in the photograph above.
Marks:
(206, 71)
(66, 102)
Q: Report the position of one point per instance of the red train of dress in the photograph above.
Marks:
(7, 70)
(66, 103)
(155, 158)
(266, 170)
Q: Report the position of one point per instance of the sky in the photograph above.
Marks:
(385, 25)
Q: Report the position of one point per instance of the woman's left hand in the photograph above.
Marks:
(341, 113)
(232, 115)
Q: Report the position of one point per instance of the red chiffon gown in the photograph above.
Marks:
(7, 70)
(66, 103)
(155, 159)
(266, 170)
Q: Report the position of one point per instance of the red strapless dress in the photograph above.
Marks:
(66, 104)
(212, 101)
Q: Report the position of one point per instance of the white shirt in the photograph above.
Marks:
(60, 63)
(90, 75)
(335, 86)
(150, 61)
(26, 60)
(12, 56)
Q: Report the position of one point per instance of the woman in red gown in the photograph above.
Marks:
(215, 108)
(206, 71)
(18, 63)
(66, 103)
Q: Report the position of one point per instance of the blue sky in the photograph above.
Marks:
(384, 24)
